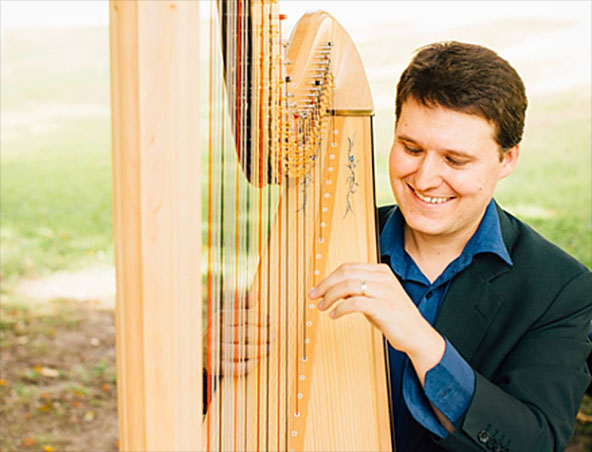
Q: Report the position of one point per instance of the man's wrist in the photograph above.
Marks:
(426, 350)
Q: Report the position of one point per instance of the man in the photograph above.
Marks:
(486, 321)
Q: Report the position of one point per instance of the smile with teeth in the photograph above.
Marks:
(431, 199)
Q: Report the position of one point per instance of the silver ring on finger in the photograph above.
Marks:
(363, 288)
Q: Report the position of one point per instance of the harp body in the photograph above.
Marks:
(322, 386)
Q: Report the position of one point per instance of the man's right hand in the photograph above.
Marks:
(235, 341)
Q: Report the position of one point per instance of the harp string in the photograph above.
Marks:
(227, 222)
(266, 84)
(222, 293)
(243, 107)
(274, 143)
(280, 287)
(239, 128)
(209, 243)
(258, 154)
(213, 247)
(271, 127)
(248, 215)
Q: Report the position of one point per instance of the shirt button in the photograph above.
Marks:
(492, 445)
(429, 295)
(483, 436)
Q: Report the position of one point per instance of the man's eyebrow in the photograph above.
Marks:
(456, 152)
(404, 137)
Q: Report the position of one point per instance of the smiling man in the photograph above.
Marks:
(486, 321)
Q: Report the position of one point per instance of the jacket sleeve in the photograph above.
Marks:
(449, 386)
(531, 402)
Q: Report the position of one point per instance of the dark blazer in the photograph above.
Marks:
(523, 329)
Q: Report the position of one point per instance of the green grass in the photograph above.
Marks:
(55, 193)
(55, 169)
(551, 188)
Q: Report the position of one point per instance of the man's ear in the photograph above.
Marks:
(509, 161)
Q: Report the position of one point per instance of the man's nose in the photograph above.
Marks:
(429, 172)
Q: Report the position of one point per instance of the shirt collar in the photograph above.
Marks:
(486, 239)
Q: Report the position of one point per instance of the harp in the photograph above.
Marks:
(291, 132)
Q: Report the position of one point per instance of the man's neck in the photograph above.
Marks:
(432, 254)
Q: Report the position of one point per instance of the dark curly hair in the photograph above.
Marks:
(467, 78)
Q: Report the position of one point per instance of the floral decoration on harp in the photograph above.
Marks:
(351, 181)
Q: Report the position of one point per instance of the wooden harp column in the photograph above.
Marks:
(156, 221)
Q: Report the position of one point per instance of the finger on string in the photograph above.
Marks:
(350, 306)
(238, 334)
(242, 316)
(341, 291)
(359, 272)
(236, 369)
(235, 304)
(230, 317)
(229, 369)
(243, 352)
(248, 335)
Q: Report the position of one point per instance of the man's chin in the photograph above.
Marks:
(428, 230)
(427, 226)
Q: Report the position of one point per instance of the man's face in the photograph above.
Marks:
(444, 167)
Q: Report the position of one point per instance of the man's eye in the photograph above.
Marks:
(412, 151)
(455, 162)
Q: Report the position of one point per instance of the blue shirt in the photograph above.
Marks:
(450, 385)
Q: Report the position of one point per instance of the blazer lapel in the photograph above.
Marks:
(472, 300)
(468, 310)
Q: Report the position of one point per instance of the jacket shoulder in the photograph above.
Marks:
(535, 257)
